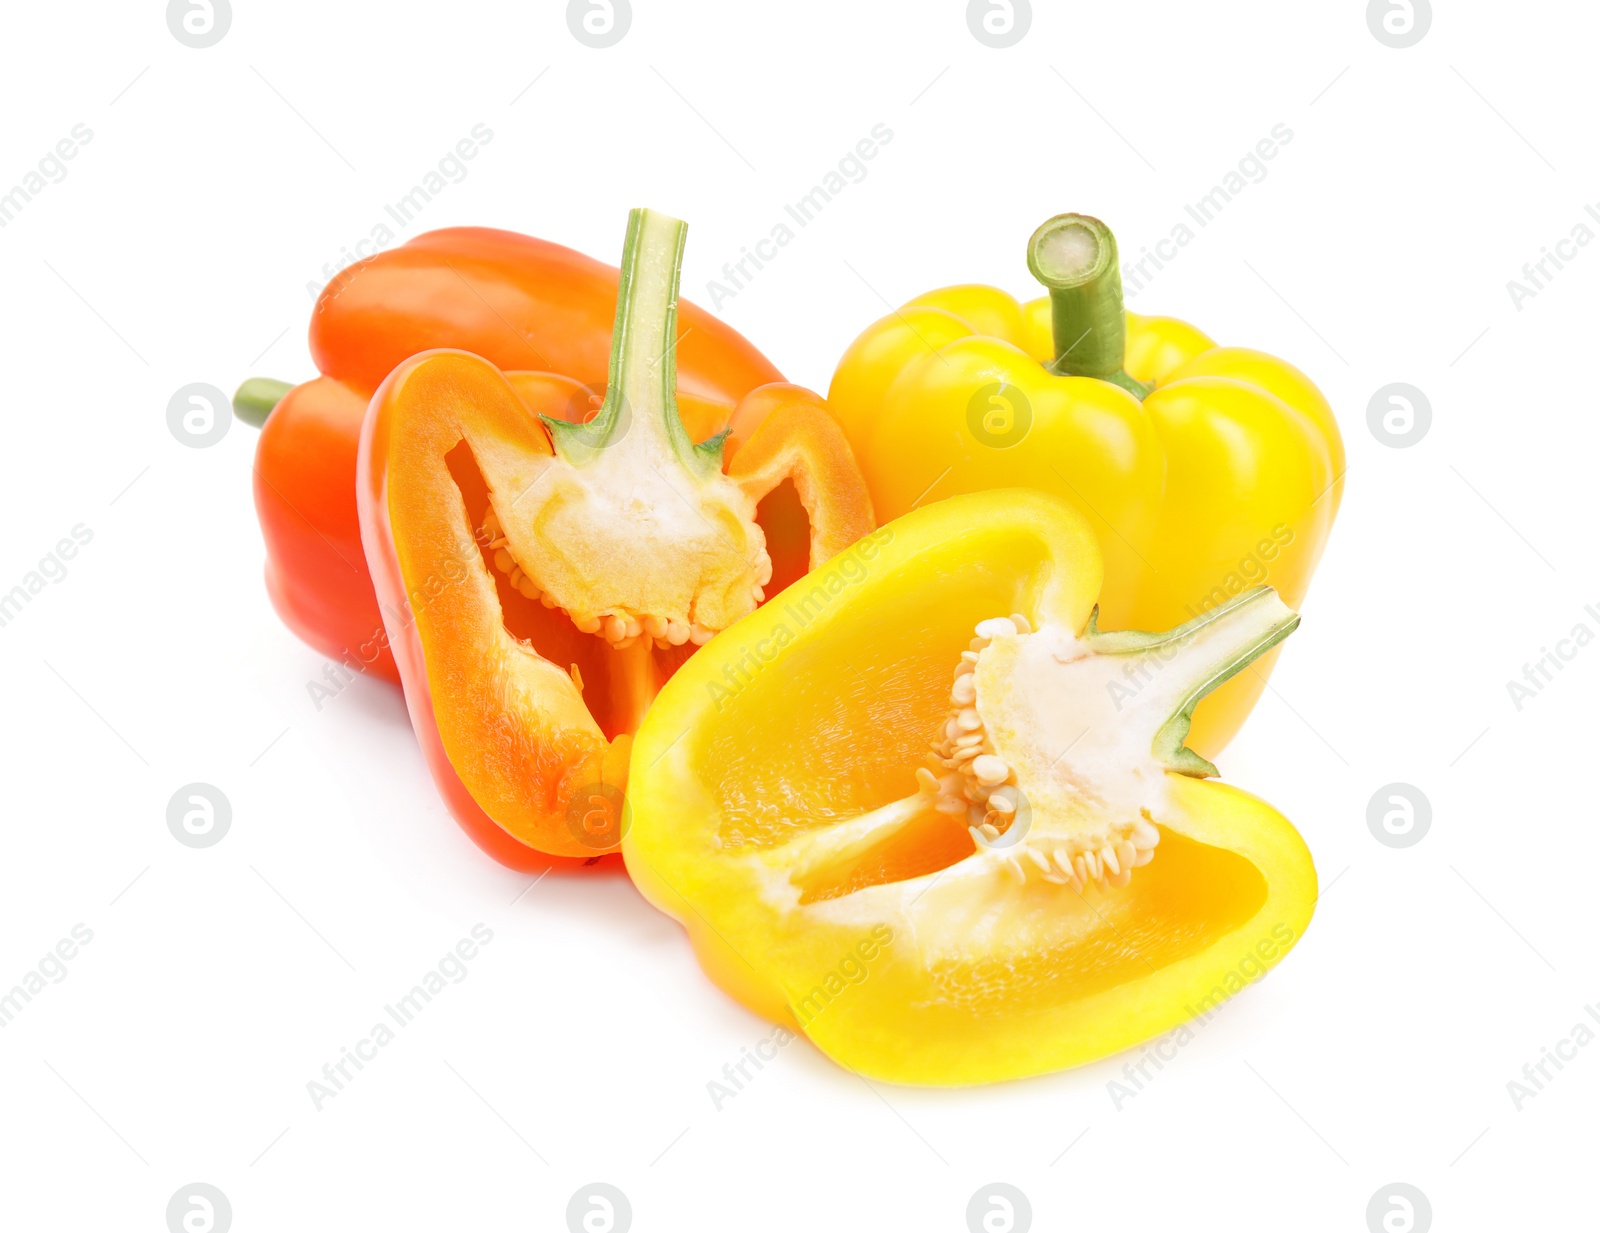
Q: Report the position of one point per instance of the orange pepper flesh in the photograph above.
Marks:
(521, 303)
(524, 718)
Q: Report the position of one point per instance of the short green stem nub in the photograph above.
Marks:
(643, 379)
(255, 399)
(1075, 257)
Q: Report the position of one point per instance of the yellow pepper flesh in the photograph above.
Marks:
(1227, 475)
(917, 959)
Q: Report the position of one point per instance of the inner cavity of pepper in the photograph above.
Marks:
(1078, 838)
(616, 685)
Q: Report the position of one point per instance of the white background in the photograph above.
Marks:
(178, 248)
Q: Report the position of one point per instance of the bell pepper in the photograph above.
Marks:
(539, 578)
(1204, 470)
(1058, 882)
(522, 304)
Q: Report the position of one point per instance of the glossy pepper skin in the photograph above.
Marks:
(770, 814)
(522, 304)
(540, 579)
(1205, 470)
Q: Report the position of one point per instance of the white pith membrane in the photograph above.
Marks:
(1056, 749)
(707, 589)
(639, 534)
(1018, 695)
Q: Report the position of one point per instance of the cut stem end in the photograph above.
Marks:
(1075, 257)
(255, 399)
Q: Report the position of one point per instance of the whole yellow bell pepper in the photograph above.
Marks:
(1204, 470)
(1055, 883)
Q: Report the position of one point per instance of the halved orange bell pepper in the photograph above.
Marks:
(1054, 884)
(540, 579)
(1204, 470)
(522, 304)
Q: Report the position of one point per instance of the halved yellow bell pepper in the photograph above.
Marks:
(1205, 470)
(1056, 883)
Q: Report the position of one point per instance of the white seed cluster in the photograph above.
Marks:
(620, 629)
(979, 785)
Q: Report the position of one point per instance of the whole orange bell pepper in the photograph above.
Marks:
(521, 303)
(540, 579)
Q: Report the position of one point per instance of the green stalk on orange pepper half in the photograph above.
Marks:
(538, 311)
(540, 579)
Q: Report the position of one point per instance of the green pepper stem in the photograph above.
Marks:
(641, 386)
(255, 399)
(1075, 257)
(1167, 674)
